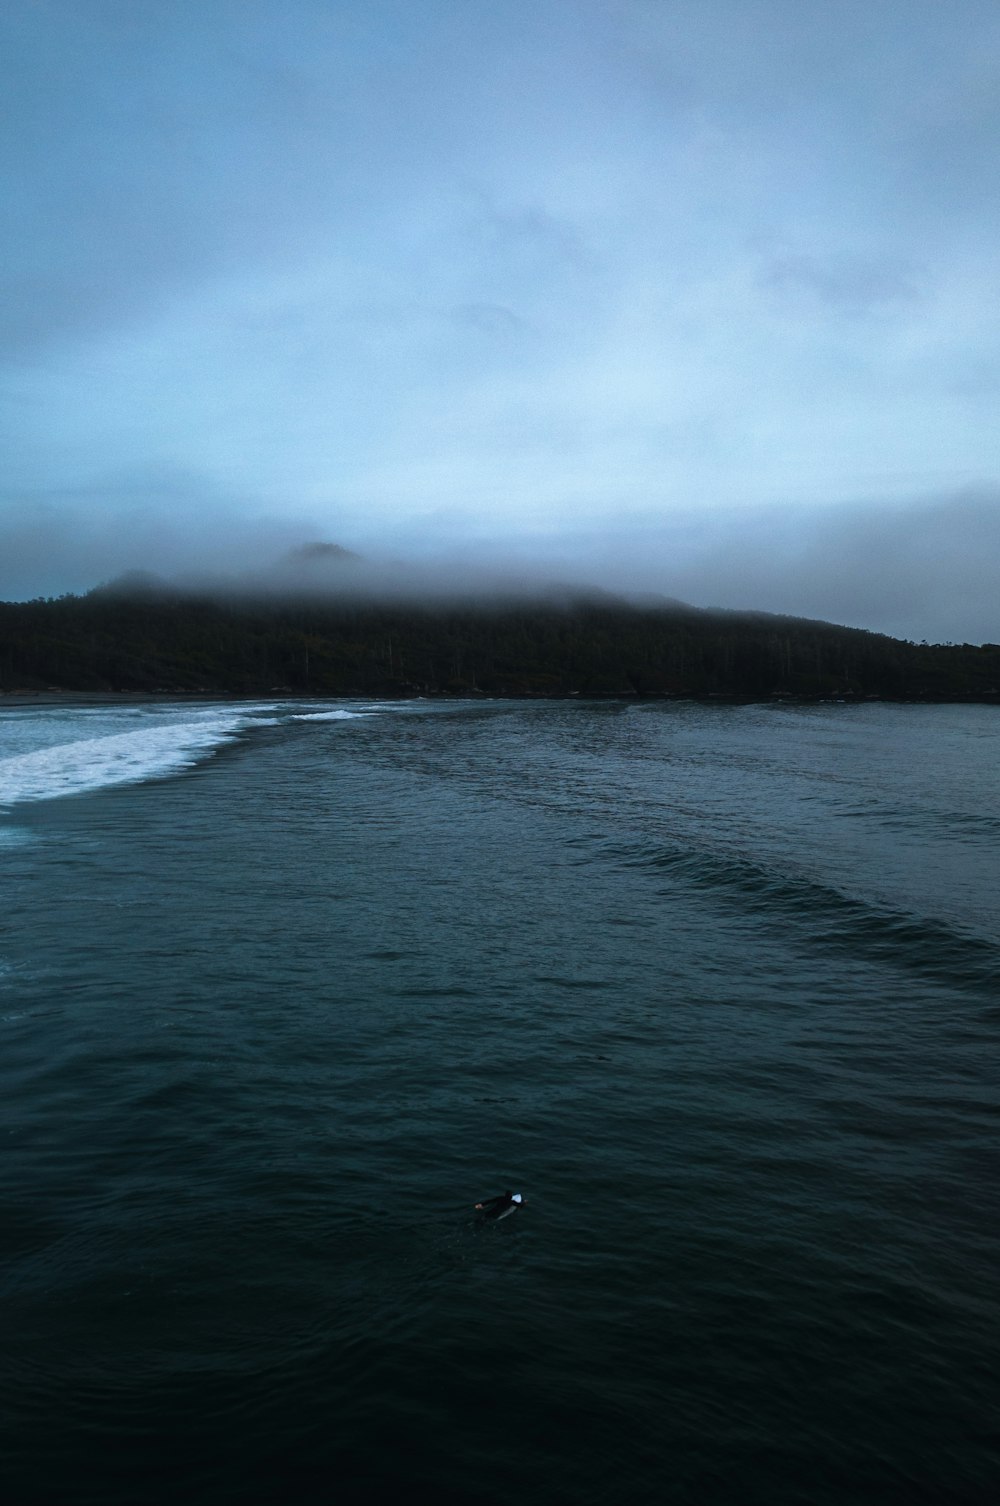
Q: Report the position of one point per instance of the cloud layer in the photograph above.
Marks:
(710, 285)
(927, 569)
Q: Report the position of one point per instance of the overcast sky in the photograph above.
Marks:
(698, 296)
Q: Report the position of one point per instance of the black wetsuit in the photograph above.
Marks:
(494, 1206)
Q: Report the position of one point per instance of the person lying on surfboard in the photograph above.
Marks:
(496, 1207)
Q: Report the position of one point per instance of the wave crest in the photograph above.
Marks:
(93, 763)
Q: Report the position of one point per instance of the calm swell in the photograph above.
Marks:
(285, 990)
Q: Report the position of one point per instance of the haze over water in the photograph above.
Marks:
(285, 988)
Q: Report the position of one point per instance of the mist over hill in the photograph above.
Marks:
(324, 572)
(324, 621)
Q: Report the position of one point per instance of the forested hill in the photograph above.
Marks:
(163, 641)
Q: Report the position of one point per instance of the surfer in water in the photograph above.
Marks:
(499, 1207)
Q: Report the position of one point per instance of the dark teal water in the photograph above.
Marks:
(717, 988)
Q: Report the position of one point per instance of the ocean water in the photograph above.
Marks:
(286, 988)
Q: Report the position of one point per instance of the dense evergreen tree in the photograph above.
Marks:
(139, 638)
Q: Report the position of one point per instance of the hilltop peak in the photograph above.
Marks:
(320, 552)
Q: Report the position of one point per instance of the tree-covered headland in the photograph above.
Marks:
(142, 637)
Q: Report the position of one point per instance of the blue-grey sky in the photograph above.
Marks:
(697, 296)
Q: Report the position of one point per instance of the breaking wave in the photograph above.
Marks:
(55, 763)
(329, 716)
(93, 763)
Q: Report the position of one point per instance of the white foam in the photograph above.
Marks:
(329, 716)
(70, 768)
(47, 757)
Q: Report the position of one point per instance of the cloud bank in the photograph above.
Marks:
(924, 569)
(700, 290)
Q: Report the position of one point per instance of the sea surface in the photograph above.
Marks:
(287, 987)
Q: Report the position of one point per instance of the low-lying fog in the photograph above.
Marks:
(925, 570)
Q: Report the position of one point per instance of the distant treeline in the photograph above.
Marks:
(171, 642)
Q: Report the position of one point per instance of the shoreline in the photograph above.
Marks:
(34, 699)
